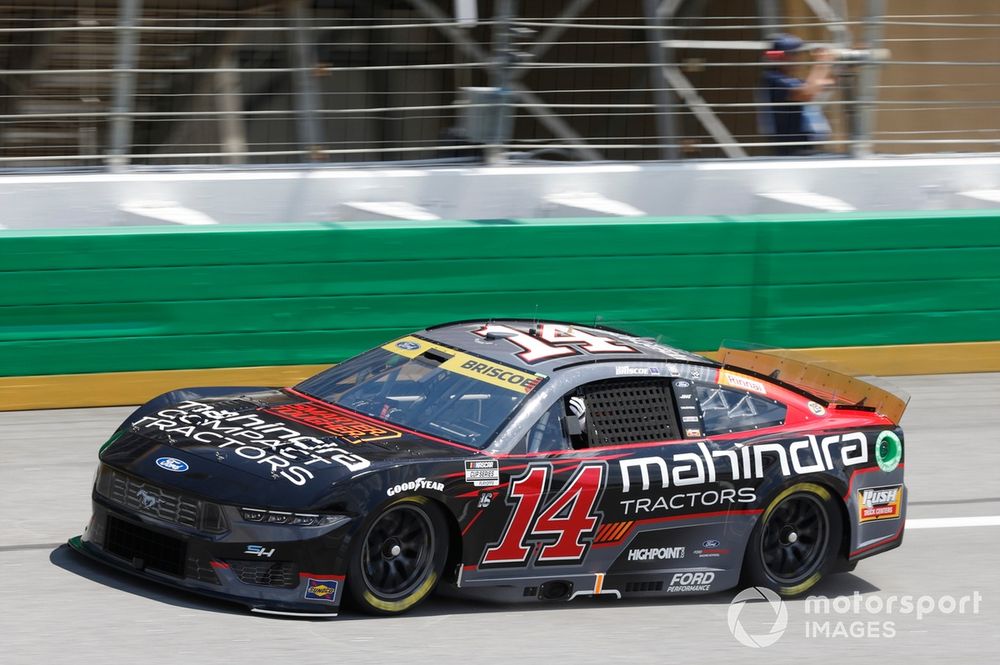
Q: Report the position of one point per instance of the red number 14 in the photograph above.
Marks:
(565, 521)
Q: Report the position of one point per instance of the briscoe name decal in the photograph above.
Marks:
(414, 485)
(880, 503)
(287, 452)
(697, 468)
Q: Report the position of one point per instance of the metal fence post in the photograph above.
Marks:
(503, 58)
(867, 80)
(304, 91)
(126, 47)
(663, 93)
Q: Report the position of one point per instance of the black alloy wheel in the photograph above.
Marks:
(400, 558)
(795, 538)
(795, 542)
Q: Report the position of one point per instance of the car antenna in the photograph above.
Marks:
(533, 331)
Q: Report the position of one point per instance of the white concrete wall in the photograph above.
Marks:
(688, 188)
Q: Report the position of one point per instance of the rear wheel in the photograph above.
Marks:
(795, 542)
(399, 557)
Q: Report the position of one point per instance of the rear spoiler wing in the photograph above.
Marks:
(823, 384)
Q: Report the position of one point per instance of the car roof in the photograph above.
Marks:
(491, 339)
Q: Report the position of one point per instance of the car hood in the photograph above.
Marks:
(272, 448)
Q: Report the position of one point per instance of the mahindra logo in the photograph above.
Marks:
(146, 499)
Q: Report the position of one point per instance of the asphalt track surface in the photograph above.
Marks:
(56, 606)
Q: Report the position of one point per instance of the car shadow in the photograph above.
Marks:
(442, 604)
(71, 561)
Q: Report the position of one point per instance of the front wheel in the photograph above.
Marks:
(399, 557)
(795, 542)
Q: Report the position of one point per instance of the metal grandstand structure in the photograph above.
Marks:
(164, 84)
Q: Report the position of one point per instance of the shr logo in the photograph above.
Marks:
(777, 629)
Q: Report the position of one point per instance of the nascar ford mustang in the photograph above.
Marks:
(506, 460)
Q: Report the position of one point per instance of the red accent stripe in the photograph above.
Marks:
(219, 564)
(381, 423)
(880, 543)
(717, 513)
(620, 531)
(475, 492)
(471, 522)
(322, 576)
(674, 518)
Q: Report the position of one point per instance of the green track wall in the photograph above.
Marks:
(168, 298)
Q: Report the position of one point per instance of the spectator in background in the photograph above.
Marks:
(790, 112)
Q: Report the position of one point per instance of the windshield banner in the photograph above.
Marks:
(468, 365)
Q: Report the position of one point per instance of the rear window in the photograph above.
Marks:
(725, 410)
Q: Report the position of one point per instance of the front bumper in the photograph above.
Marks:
(283, 569)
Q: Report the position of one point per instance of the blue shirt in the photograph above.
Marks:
(794, 122)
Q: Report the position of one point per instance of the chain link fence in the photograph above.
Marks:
(132, 84)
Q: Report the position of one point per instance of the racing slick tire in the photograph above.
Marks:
(398, 559)
(796, 540)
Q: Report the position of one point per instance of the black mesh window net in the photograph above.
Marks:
(628, 411)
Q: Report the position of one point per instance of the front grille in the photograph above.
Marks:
(201, 570)
(266, 573)
(168, 505)
(144, 548)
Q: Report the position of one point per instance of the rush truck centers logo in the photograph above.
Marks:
(880, 503)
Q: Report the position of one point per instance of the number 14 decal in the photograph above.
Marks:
(566, 524)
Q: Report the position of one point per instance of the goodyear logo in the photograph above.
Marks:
(470, 366)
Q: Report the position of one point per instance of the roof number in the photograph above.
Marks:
(553, 341)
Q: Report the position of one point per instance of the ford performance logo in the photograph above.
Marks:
(172, 464)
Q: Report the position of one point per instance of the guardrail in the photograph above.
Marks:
(116, 300)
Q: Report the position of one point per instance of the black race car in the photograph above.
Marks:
(510, 460)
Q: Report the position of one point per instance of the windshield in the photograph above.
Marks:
(427, 387)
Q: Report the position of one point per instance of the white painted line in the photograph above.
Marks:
(594, 202)
(991, 195)
(394, 209)
(810, 200)
(167, 211)
(952, 522)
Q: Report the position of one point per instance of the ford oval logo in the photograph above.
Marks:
(407, 346)
(710, 544)
(172, 464)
